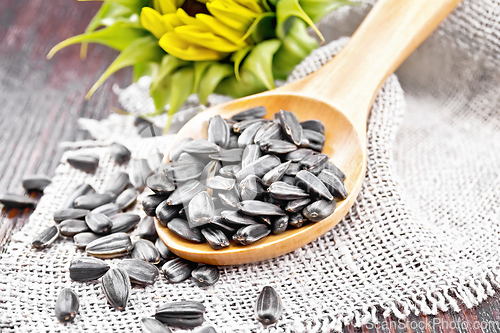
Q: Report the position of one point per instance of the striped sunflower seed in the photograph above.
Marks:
(251, 153)
(17, 201)
(313, 125)
(251, 233)
(151, 202)
(87, 269)
(162, 248)
(146, 228)
(70, 213)
(254, 207)
(108, 209)
(99, 223)
(256, 112)
(116, 287)
(139, 271)
(36, 182)
(181, 228)
(146, 250)
(84, 162)
(116, 183)
(178, 269)
(119, 152)
(201, 146)
(124, 222)
(151, 325)
(312, 184)
(284, 191)
(159, 184)
(205, 275)
(67, 305)
(69, 228)
(185, 192)
(297, 155)
(333, 183)
(247, 137)
(230, 170)
(268, 308)
(215, 238)
(111, 246)
(78, 192)
(126, 198)
(319, 210)
(229, 155)
(279, 224)
(275, 174)
(83, 239)
(92, 200)
(291, 126)
(184, 314)
(200, 209)
(218, 131)
(47, 237)
(165, 212)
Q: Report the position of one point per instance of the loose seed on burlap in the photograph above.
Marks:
(67, 305)
(87, 269)
(120, 153)
(146, 228)
(108, 209)
(17, 201)
(126, 198)
(124, 222)
(178, 269)
(69, 228)
(111, 246)
(83, 239)
(36, 182)
(116, 287)
(84, 162)
(151, 325)
(268, 308)
(47, 237)
(99, 223)
(139, 271)
(205, 275)
(78, 192)
(92, 200)
(184, 314)
(146, 250)
(70, 213)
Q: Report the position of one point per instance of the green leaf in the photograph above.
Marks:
(260, 59)
(135, 5)
(237, 57)
(265, 18)
(145, 68)
(181, 89)
(248, 85)
(286, 9)
(161, 95)
(200, 67)
(214, 75)
(317, 9)
(145, 49)
(168, 64)
(118, 36)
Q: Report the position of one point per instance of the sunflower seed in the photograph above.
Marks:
(229, 155)
(259, 167)
(84, 162)
(185, 192)
(178, 270)
(275, 174)
(182, 229)
(111, 246)
(177, 149)
(165, 213)
(99, 223)
(109, 209)
(155, 160)
(273, 132)
(92, 200)
(291, 126)
(36, 182)
(233, 142)
(229, 199)
(192, 158)
(69, 228)
(151, 325)
(313, 125)
(256, 112)
(289, 180)
(126, 198)
(218, 131)
(241, 126)
(262, 129)
(183, 314)
(116, 183)
(215, 238)
(139, 171)
(248, 135)
(139, 271)
(230, 170)
(182, 171)
(268, 308)
(209, 171)
(312, 184)
(279, 224)
(297, 205)
(319, 210)
(251, 153)
(159, 184)
(87, 269)
(314, 163)
(124, 222)
(146, 228)
(298, 155)
(205, 275)
(70, 213)
(83, 239)
(251, 188)
(151, 202)
(220, 224)
(316, 140)
(264, 220)
(119, 152)
(237, 219)
(67, 305)
(47, 237)
(162, 248)
(277, 146)
(297, 220)
(284, 191)
(17, 201)
(336, 171)
(221, 183)
(116, 287)
(200, 209)
(333, 183)
(293, 169)
(201, 146)
(79, 191)
(251, 233)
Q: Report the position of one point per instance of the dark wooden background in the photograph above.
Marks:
(40, 102)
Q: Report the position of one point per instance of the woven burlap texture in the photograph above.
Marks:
(421, 237)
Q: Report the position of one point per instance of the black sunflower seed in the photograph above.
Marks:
(69, 228)
(275, 174)
(256, 112)
(289, 180)
(259, 167)
(218, 131)
(271, 132)
(230, 170)
(99, 223)
(293, 169)
(279, 224)
(268, 308)
(313, 125)
(87, 269)
(124, 222)
(251, 233)
(17, 201)
(36, 182)
(312, 184)
(251, 188)
(315, 140)
(182, 229)
(185, 192)
(110, 246)
(247, 137)
(237, 219)
(239, 127)
(159, 184)
(200, 210)
(319, 210)
(184, 314)
(120, 153)
(67, 305)
(84, 162)
(314, 163)
(297, 220)
(336, 171)
(146, 228)
(139, 271)
(178, 269)
(277, 146)
(151, 325)
(181, 171)
(116, 183)
(116, 287)
(229, 155)
(201, 146)
(83, 239)
(251, 153)
(297, 205)
(70, 213)
(291, 126)
(284, 191)
(126, 198)
(79, 191)
(146, 250)
(47, 237)
(108, 209)
(215, 238)
(177, 149)
(139, 171)
(298, 155)
(333, 183)
(151, 202)
(254, 207)
(162, 248)
(93, 200)
(205, 275)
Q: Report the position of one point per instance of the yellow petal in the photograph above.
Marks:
(231, 14)
(202, 37)
(167, 6)
(253, 5)
(185, 18)
(170, 22)
(151, 21)
(220, 29)
(173, 44)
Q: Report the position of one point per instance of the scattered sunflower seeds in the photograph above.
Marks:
(146, 250)
(184, 314)
(78, 192)
(67, 305)
(47, 237)
(268, 308)
(205, 275)
(116, 287)
(17, 201)
(111, 246)
(36, 182)
(84, 162)
(151, 325)
(87, 269)
(139, 271)
(69, 228)
(178, 269)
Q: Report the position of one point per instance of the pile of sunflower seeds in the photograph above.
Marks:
(250, 178)
(99, 224)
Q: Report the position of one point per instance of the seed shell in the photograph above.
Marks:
(230, 170)
(178, 270)
(83, 239)
(182, 171)
(256, 112)
(182, 229)
(279, 224)
(215, 238)
(314, 163)
(108, 209)
(119, 152)
(146, 228)
(69, 228)
(79, 191)
(268, 308)
(251, 188)
(297, 205)
(181, 309)
(17, 201)
(47, 237)
(275, 174)
(139, 271)
(298, 155)
(117, 183)
(218, 131)
(336, 171)
(259, 167)
(99, 223)
(139, 171)
(155, 160)
(229, 199)
(126, 198)
(36, 182)
(313, 125)
(251, 153)
(205, 275)
(201, 146)
(151, 325)
(254, 207)
(151, 202)
(319, 210)
(291, 126)
(247, 137)
(333, 183)
(84, 162)
(221, 183)
(237, 219)
(116, 287)
(146, 250)
(177, 149)
(229, 155)
(67, 305)
(284, 191)
(111, 246)
(297, 220)
(70, 213)
(251, 233)
(165, 212)
(185, 192)
(159, 184)
(201, 209)
(240, 126)
(273, 132)
(312, 184)
(92, 200)
(162, 248)
(87, 269)
(277, 146)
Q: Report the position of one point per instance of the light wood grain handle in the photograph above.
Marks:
(390, 33)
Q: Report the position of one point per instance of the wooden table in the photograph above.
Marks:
(41, 101)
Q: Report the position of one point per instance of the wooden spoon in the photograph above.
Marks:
(340, 94)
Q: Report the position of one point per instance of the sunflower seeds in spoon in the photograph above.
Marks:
(70, 213)
(165, 212)
(151, 202)
(99, 223)
(87, 269)
(182, 229)
(334, 184)
(205, 275)
(78, 192)
(277, 146)
(279, 224)
(178, 149)
(215, 238)
(319, 210)
(126, 198)
(120, 153)
(178, 269)
(254, 207)
(47, 237)
(139, 271)
(111, 246)
(201, 146)
(221, 183)
(314, 163)
(67, 305)
(183, 314)
(200, 209)
(69, 228)
(298, 155)
(256, 112)
(237, 219)
(162, 248)
(313, 125)
(146, 228)
(251, 153)
(247, 137)
(218, 131)
(312, 184)
(185, 192)
(36, 182)
(151, 325)
(275, 174)
(139, 171)
(284, 191)
(259, 167)
(230, 170)
(268, 308)
(116, 287)
(273, 132)
(251, 233)
(297, 205)
(291, 126)
(84, 162)
(159, 184)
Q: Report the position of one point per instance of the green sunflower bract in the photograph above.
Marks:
(233, 47)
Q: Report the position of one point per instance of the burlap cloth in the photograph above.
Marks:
(422, 236)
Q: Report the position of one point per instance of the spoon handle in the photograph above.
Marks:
(389, 34)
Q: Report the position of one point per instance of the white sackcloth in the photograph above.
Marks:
(422, 235)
